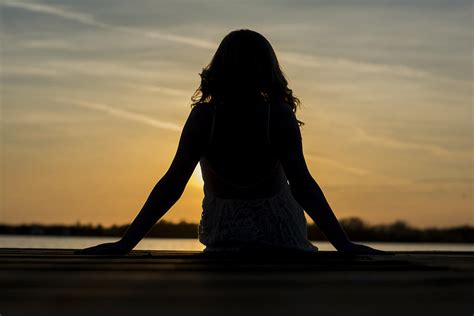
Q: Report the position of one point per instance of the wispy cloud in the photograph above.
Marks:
(125, 114)
(196, 42)
(362, 135)
(28, 71)
(88, 19)
(451, 180)
(339, 165)
(87, 67)
(306, 60)
(48, 44)
(56, 11)
(161, 89)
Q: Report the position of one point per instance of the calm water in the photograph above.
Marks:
(194, 244)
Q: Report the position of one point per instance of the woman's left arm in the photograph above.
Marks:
(166, 192)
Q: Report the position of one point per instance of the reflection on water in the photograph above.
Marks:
(194, 245)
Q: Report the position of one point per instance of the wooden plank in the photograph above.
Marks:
(57, 282)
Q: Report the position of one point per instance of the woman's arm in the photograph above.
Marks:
(167, 191)
(313, 201)
(303, 187)
(161, 199)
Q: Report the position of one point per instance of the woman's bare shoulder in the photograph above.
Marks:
(201, 112)
(202, 108)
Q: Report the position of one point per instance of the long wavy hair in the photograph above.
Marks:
(244, 67)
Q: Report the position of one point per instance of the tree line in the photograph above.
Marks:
(356, 228)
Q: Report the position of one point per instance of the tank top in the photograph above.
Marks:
(236, 224)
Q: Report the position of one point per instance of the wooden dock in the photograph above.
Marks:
(57, 282)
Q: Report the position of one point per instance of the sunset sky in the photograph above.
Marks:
(94, 95)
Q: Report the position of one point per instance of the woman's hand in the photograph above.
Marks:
(358, 249)
(111, 248)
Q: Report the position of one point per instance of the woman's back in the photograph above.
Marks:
(247, 197)
(240, 160)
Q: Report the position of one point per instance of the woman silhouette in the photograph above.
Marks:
(243, 131)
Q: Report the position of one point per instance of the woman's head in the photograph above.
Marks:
(244, 67)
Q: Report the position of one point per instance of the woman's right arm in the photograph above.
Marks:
(304, 188)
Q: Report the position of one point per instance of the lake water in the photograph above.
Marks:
(17, 241)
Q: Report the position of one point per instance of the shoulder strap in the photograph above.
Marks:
(268, 123)
(212, 126)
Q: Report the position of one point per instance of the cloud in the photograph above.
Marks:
(339, 165)
(87, 67)
(451, 180)
(125, 114)
(48, 44)
(306, 60)
(29, 71)
(162, 89)
(362, 135)
(92, 21)
(56, 11)
(196, 42)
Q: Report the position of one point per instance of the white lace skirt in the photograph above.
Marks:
(277, 222)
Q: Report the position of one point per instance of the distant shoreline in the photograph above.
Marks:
(356, 228)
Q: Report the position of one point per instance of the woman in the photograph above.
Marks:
(243, 131)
